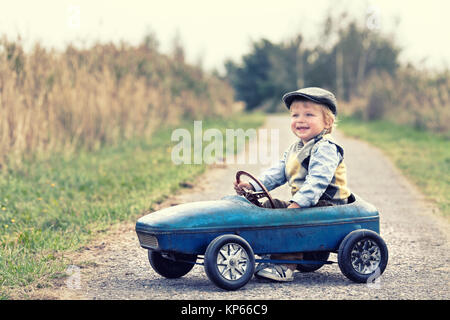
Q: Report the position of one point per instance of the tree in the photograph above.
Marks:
(255, 80)
(341, 62)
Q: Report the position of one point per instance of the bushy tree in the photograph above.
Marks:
(341, 62)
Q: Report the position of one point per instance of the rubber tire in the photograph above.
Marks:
(319, 255)
(344, 255)
(168, 268)
(210, 262)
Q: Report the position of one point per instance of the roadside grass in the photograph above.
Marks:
(54, 206)
(422, 156)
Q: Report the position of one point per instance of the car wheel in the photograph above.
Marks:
(173, 266)
(362, 256)
(229, 262)
(317, 256)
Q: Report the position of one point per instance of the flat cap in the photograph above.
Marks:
(317, 95)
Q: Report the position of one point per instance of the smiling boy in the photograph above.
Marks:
(313, 166)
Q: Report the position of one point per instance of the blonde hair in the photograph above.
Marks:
(328, 115)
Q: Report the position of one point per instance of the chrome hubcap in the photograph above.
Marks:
(232, 261)
(365, 256)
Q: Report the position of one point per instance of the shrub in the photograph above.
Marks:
(85, 98)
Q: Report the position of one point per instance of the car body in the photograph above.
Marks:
(189, 228)
(186, 231)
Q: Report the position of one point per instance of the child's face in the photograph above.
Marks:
(307, 120)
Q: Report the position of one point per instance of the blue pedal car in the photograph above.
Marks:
(227, 234)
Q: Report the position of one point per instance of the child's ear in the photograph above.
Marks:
(329, 124)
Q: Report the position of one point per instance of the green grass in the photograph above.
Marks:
(423, 157)
(50, 207)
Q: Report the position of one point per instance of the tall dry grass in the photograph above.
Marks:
(52, 101)
(418, 98)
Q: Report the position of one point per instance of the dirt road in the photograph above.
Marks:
(418, 243)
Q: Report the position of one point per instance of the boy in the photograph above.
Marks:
(313, 166)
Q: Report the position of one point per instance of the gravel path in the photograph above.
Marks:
(418, 243)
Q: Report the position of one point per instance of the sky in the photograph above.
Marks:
(212, 31)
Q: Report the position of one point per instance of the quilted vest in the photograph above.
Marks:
(297, 163)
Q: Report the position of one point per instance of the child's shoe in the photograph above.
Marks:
(277, 272)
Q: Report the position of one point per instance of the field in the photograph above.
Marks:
(53, 206)
(86, 143)
(422, 156)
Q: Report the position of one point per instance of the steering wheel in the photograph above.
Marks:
(251, 195)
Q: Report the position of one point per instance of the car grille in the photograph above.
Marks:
(148, 240)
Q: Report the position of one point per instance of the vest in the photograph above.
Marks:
(297, 164)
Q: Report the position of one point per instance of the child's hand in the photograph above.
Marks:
(293, 205)
(240, 187)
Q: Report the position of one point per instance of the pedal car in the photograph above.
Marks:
(227, 234)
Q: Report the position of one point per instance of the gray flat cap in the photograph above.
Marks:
(317, 95)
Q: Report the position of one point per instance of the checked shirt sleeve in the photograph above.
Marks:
(322, 167)
(272, 177)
